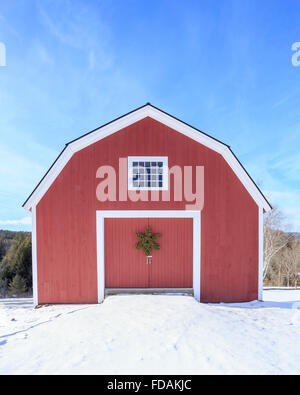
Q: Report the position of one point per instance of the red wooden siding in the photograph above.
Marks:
(172, 265)
(124, 266)
(66, 218)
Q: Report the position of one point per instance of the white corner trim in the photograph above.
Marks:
(101, 215)
(100, 257)
(197, 254)
(137, 115)
(34, 258)
(260, 252)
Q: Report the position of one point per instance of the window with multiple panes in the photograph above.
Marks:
(147, 173)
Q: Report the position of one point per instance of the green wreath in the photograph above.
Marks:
(147, 241)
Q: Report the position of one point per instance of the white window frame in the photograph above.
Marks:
(165, 174)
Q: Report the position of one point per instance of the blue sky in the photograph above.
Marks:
(223, 66)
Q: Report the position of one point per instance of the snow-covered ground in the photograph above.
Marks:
(153, 334)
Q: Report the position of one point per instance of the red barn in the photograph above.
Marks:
(146, 169)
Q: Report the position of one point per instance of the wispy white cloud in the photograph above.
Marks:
(288, 201)
(91, 60)
(278, 171)
(293, 218)
(282, 101)
(20, 171)
(7, 26)
(79, 28)
(286, 195)
(40, 53)
(23, 221)
(288, 165)
(286, 98)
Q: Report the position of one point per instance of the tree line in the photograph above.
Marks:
(281, 252)
(15, 263)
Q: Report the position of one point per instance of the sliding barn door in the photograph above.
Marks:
(171, 266)
(124, 266)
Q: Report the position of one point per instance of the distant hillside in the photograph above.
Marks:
(7, 234)
(297, 235)
(6, 239)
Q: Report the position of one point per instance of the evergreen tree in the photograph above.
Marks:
(17, 286)
(2, 251)
(3, 288)
(18, 260)
(22, 263)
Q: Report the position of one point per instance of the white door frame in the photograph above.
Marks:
(101, 215)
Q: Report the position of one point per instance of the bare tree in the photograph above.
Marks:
(274, 236)
(290, 262)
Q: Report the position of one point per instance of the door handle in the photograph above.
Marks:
(149, 260)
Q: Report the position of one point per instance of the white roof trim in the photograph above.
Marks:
(143, 112)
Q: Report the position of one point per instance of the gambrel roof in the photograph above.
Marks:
(148, 110)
